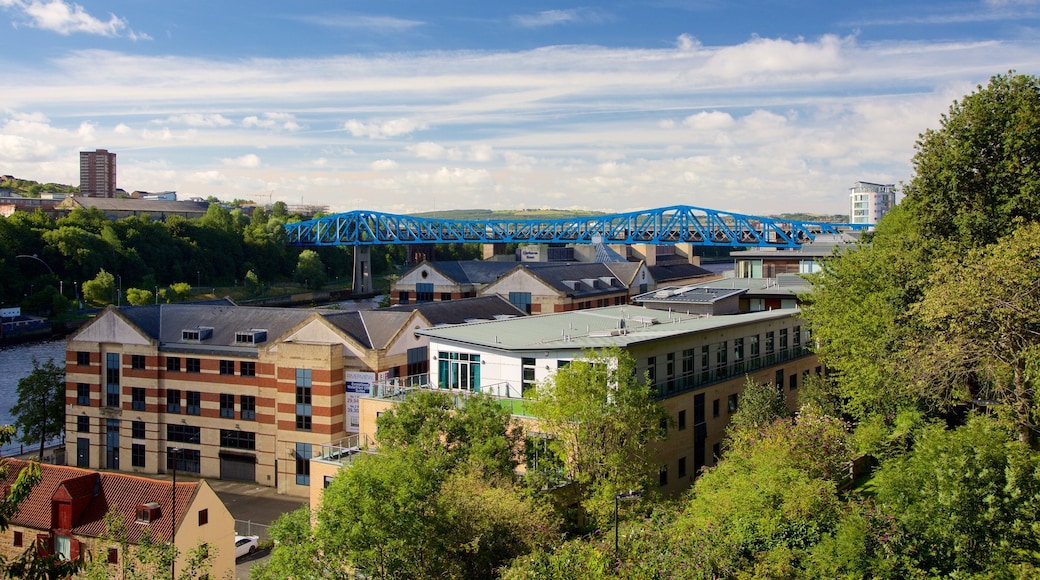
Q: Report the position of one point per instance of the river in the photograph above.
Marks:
(15, 364)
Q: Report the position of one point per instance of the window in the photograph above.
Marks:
(63, 547)
(18, 539)
(715, 408)
(303, 399)
(780, 381)
(137, 398)
(720, 358)
(227, 406)
(797, 336)
(137, 455)
(423, 292)
(687, 362)
(402, 298)
(227, 367)
(173, 400)
(247, 404)
(682, 467)
(83, 359)
(303, 464)
(113, 555)
(783, 339)
(754, 346)
(112, 379)
(731, 402)
(738, 349)
(682, 419)
(176, 433)
(664, 476)
(247, 368)
(521, 300)
(83, 424)
(705, 363)
(173, 364)
(669, 370)
(418, 361)
(137, 361)
(192, 365)
(527, 370)
(194, 403)
(651, 370)
(237, 439)
(137, 430)
(203, 517)
(458, 370)
(793, 381)
(187, 460)
(445, 296)
(716, 451)
(83, 394)
(769, 342)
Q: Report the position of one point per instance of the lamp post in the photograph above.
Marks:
(175, 452)
(627, 496)
(119, 292)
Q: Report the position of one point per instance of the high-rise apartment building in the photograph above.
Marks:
(97, 173)
(868, 202)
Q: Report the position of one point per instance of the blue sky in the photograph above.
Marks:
(401, 106)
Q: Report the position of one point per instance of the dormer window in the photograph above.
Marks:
(196, 334)
(148, 512)
(252, 336)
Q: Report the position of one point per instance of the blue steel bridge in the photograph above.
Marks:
(679, 224)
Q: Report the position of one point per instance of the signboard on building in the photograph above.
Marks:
(357, 384)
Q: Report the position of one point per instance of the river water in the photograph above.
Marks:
(16, 364)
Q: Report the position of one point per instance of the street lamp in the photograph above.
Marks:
(627, 496)
(175, 452)
(119, 292)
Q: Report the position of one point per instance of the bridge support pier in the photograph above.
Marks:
(362, 282)
(492, 250)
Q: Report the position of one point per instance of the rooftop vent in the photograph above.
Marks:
(645, 320)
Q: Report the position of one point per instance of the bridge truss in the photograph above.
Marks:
(666, 225)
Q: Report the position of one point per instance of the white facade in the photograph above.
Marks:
(868, 202)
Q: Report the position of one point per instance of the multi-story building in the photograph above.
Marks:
(869, 202)
(241, 393)
(697, 364)
(65, 514)
(97, 173)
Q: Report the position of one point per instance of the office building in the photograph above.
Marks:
(97, 173)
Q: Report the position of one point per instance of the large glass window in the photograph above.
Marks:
(137, 398)
(303, 399)
(797, 336)
(247, 368)
(521, 300)
(418, 361)
(137, 454)
(137, 361)
(83, 358)
(112, 380)
(173, 364)
(248, 407)
(137, 430)
(783, 339)
(303, 464)
(227, 367)
(178, 433)
(83, 424)
(192, 365)
(187, 460)
(173, 400)
(424, 292)
(769, 342)
(227, 405)
(754, 346)
(237, 439)
(458, 370)
(194, 403)
(83, 394)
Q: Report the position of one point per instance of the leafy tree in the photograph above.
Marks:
(181, 291)
(296, 553)
(101, 289)
(600, 418)
(310, 270)
(39, 413)
(252, 283)
(760, 404)
(481, 431)
(148, 558)
(139, 297)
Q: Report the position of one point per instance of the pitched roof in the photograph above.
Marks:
(664, 273)
(102, 491)
(573, 278)
(462, 310)
(472, 271)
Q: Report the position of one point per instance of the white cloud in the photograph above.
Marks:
(284, 121)
(198, 120)
(248, 161)
(709, 121)
(767, 56)
(558, 17)
(363, 22)
(383, 165)
(383, 129)
(66, 18)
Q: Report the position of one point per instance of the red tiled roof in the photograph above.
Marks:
(108, 491)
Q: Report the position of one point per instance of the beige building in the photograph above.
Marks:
(65, 515)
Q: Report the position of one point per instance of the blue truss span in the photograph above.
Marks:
(666, 225)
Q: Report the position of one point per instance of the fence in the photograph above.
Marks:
(251, 528)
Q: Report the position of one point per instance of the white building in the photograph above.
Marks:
(868, 202)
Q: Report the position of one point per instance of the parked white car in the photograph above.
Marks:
(246, 545)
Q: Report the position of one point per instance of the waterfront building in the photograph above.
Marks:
(242, 393)
(869, 202)
(97, 173)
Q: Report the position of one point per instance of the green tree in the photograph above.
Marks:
(760, 404)
(101, 290)
(296, 553)
(181, 291)
(39, 413)
(146, 559)
(310, 270)
(600, 418)
(139, 297)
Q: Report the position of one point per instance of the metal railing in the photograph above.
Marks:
(397, 389)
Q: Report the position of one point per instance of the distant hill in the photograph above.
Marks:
(521, 214)
(32, 188)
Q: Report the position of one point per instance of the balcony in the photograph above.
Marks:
(707, 376)
(397, 389)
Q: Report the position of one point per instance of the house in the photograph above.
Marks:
(244, 393)
(65, 514)
(697, 364)
(728, 295)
